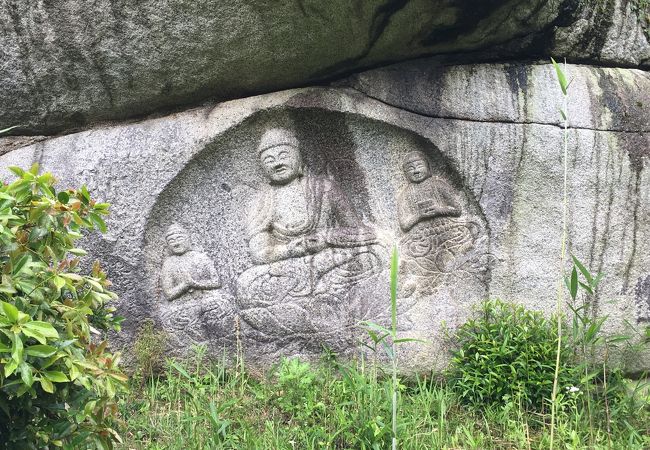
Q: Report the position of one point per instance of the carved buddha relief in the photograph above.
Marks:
(439, 239)
(308, 245)
(307, 260)
(199, 310)
(185, 270)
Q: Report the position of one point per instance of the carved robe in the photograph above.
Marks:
(293, 294)
(324, 210)
(434, 193)
(178, 270)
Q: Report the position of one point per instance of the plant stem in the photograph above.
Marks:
(393, 304)
(560, 289)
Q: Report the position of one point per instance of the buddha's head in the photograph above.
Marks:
(178, 239)
(416, 167)
(279, 155)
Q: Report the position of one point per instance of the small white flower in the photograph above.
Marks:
(572, 389)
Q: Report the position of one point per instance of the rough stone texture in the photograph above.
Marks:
(513, 93)
(491, 135)
(70, 64)
(612, 32)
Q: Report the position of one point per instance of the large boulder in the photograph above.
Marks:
(300, 270)
(69, 64)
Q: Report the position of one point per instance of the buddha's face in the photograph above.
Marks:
(417, 170)
(178, 243)
(281, 163)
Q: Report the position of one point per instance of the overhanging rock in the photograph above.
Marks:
(70, 64)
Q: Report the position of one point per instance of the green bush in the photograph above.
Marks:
(508, 352)
(57, 381)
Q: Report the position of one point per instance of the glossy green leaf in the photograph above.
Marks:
(26, 374)
(10, 367)
(46, 385)
(40, 351)
(34, 334)
(98, 222)
(10, 311)
(55, 376)
(63, 197)
(17, 348)
(72, 276)
(44, 328)
(7, 289)
(59, 282)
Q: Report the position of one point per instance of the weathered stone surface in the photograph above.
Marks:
(613, 32)
(303, 267)
(70, 64)
(607, 99)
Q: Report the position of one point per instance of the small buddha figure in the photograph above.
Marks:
(425, 197)
(185, 270)
(436, 238)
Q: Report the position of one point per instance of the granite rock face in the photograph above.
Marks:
(70, 64)
(267, 222)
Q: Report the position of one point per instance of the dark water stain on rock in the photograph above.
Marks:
(642, 296)
(517, 78)
(637, 147)
(329, 148)
(473, 13)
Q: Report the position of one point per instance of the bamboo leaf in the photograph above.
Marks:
(560, 77)
(6, 130)
(375, 326)
(583, 270)
(401, 340)
(573, 285)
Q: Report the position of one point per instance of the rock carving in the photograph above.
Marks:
(439, 242)
(185, 270)
(308, 246)
(425, 197)
(198, 310)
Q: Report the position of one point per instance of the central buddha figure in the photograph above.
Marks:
(308, 245)
(298, 214)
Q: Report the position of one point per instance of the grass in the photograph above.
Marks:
(195, 405)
